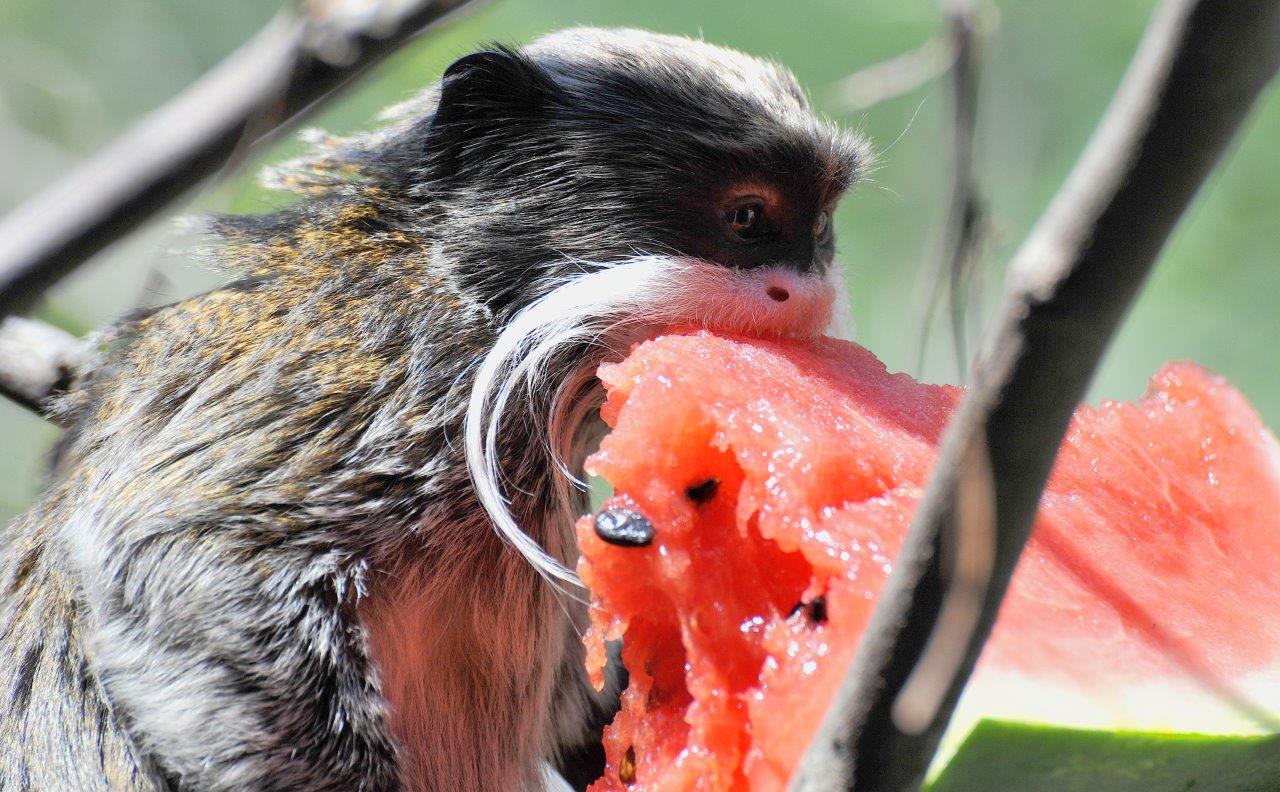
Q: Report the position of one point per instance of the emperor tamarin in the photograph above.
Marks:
(312, 530)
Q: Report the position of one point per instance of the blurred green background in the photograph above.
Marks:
(73, 73)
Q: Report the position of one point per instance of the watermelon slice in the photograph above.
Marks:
(763, 489)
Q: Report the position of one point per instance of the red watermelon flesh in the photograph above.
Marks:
(1155, 562)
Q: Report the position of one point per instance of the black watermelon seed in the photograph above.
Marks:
(624, 528)
(815, 610)
(818, 610)
(703, 492)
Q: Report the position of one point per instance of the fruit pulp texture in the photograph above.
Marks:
(780, 479)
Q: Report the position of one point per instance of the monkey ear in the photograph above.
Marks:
(495, 86)
(485, 99)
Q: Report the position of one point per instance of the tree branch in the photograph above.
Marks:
(281, 74)
(897, 76)
(962, 236)
(1196, 74)
(37, 361)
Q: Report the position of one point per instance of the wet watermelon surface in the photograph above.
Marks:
(779, 480)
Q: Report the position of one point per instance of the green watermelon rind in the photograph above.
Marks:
(1008, 756)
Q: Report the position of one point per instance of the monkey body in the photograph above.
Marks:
(266, 560)
(237, 558)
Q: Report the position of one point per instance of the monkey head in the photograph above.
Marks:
(589, 147)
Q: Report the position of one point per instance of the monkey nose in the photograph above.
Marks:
(793, 303)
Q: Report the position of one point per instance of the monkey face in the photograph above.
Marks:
(597, 146)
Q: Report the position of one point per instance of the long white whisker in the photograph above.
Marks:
(599, 311)
(562, 319)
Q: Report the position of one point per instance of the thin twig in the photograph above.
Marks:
(897, 76)
(1196, 74)
(37, 361)
(961, 241)
(278, 76)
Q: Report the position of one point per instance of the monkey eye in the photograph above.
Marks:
(822, 227)
(746, 220)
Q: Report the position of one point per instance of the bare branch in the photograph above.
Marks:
(961, 242)
(1196, 74)
(904, 73)
(36, 361)
(897, 76)
(275, 78)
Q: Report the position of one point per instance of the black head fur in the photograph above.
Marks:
(590, 146)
